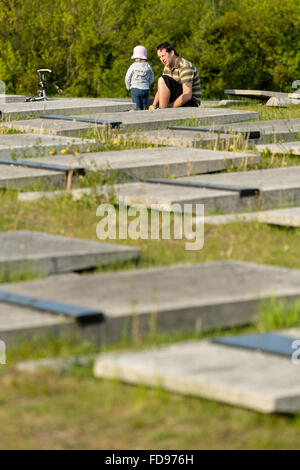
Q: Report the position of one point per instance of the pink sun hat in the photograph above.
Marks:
(139, 52)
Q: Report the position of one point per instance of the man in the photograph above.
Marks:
(180, 83)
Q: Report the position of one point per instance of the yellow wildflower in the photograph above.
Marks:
(51, 152)
(63, 151)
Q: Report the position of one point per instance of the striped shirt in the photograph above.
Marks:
(185, 72)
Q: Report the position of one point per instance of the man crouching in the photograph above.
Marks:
(180, 83)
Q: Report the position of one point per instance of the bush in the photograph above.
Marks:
(88, 45)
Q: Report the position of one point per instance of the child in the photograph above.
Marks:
(139, 77)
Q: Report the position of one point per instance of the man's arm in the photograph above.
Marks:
(184, 97)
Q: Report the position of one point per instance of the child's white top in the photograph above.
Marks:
(139, 75)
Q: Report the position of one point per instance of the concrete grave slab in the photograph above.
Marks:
(143, 120)
(230, 218)
(155, 162)
(182, 138)
(38, 145)
(18, 323)
(162, 118)
(295, 96)
(50, 126)
(278, 102)
(62, 106)
(289, 217)
(4, 98)
(73, 128)
(285, 148)
(76, 194)
(257, 94)
(17, 177)
(279, 187)
(270, 131)
(248, 379)
(216, 103)
(44, 253)
(183, 297)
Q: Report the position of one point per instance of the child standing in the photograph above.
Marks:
(139, 77)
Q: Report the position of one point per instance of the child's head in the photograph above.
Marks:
(139, 53)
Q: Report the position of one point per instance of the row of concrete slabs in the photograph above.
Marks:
(137, 163)
(32, 145)
(141, 120)
(62, 106)
(277, 187)
(192, 297)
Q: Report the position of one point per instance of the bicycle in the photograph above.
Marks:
(42, 92)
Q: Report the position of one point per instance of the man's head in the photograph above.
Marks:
(166, 53)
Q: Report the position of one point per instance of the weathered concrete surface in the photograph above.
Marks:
(143, 120)
(249, 379)
(279, 187)
(18, 323)
(180, 138)
(36, 195)
(51, 126)
(23, 145)
(286, 147)
(176, 298)
(278, 102)
(57, 363)
(289, 217)
(231, 218)
(208, 104)
(258, 94)
(44, 253)
(156, 162)
(138, 163)
(294, 95)
(162, 118)
(4, 98)
(76, 129)
(16, 177)
(62, 106)
(270, 131)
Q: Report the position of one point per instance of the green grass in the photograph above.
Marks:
(48, 410)
(276, 314)
(22, 273)
(269, 113)
(9, 130)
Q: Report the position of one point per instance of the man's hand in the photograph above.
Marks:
(185, 97)
(155, 102)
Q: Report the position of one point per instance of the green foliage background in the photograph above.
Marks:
(88, 45)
